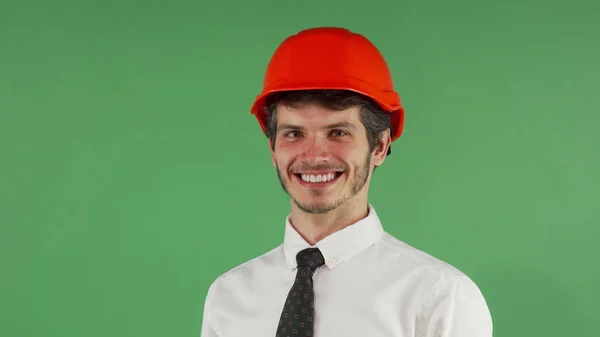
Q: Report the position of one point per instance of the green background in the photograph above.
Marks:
(132, 173)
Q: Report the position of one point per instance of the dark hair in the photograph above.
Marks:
(374, 119)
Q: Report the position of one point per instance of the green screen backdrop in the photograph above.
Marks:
(132, 173)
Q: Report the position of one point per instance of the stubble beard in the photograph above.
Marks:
(357, 183)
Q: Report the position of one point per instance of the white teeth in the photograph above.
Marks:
(318, 178)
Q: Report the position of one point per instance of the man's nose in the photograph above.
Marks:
(315, 149)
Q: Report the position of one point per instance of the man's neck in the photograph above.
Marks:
(315, 227)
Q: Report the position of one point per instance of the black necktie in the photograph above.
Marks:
(297, 317)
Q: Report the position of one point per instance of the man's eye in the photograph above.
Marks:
(291, 134)
(338, 133)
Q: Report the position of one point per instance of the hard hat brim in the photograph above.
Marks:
(389, 101)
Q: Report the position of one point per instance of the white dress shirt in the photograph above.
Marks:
(372, 284)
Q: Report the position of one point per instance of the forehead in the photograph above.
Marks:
(314, 114)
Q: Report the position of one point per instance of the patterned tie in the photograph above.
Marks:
(298, 312)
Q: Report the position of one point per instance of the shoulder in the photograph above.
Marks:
(434, 277)
(246, 273)
(448, 295)
(397, 251)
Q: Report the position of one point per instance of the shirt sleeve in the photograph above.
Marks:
(208, 330)
(458, 309)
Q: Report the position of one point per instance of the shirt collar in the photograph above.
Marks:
(338, 246)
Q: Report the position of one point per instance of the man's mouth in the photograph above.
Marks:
(319, 179)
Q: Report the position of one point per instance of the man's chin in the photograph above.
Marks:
(317, 206)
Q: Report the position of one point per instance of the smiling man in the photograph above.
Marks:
(330, 112)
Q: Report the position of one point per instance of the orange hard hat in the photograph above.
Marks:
(330, 58)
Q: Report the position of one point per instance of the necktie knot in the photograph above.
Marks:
(310, 257)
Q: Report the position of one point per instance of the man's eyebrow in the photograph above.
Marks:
(286, 126)
(341, 125)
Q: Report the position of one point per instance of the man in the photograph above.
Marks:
(330, 112)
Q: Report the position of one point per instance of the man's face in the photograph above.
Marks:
(322, 156)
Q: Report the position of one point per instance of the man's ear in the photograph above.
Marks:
(381, 148)
(272, 152)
